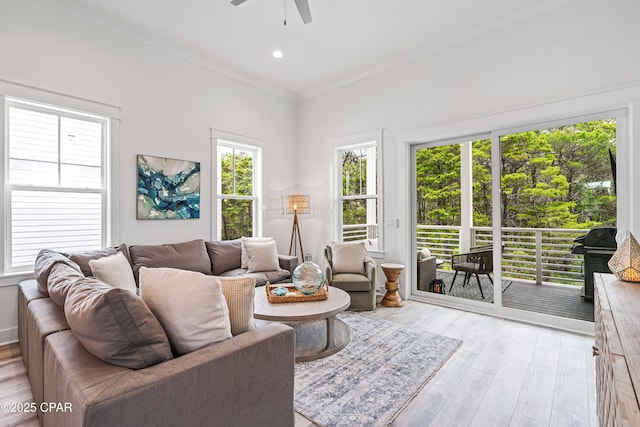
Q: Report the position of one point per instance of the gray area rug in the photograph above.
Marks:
(374, 377)
(470, 290)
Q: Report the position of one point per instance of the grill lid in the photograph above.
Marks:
(601, 237)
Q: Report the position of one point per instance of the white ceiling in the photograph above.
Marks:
(347, 40)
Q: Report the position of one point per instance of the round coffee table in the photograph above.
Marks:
(318, 332)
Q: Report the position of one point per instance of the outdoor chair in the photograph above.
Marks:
(477, 261)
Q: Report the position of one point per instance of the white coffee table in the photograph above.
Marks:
(318, 332)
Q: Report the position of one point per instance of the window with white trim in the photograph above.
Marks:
(54, 182)
(358, 195)
(238, 194)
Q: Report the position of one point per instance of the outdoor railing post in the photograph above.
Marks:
(538, 257)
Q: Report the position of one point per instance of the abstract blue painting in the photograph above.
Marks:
(168, 188)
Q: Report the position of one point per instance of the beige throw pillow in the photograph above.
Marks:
(244, 258)
(189, 305)
(114, 270)
(348, 257)
(239, 294)
(262, 256)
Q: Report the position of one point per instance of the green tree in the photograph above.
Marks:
(236, 170)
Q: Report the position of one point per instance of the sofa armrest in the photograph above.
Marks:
(242, 381)
(288, 262)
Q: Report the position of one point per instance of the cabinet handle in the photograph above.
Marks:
(596, 351)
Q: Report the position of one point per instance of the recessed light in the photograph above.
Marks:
(277, 54)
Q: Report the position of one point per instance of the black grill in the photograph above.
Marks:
(597, 246)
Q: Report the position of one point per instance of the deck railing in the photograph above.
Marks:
(542, 255)
(538, 254)
(359, 232)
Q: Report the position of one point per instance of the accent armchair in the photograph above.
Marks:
(348, 267)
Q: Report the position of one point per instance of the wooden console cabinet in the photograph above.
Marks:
(617, 350)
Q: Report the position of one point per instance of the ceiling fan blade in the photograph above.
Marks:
(303, 8)
(237, 2)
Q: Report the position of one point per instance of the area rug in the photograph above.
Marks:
(470, 290)
(374, 377)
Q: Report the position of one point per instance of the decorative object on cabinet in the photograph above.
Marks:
(625, 262)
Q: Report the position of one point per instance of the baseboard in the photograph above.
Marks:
(8, 336)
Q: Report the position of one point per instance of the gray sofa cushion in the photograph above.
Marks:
(225, 255)
(115, 325)
(190, 256)
(62, 278)
(45, 260)
(83, 258)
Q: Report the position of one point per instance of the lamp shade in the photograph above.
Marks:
(625, 262)
(297, 203)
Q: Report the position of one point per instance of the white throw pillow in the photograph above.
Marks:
(348, 257)
(244, 258)
(262, 256)
(426, 253)
(189, 305)
(114, 270)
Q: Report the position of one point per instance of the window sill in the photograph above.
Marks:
(12, 279)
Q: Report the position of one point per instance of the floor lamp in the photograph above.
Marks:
(296, 204)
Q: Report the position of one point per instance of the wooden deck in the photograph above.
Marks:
(557, 300)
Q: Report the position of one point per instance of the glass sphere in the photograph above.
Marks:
(308, 277)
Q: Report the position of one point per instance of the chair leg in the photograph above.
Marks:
(467, 276)
(453, 281)
(479, 287)
(490, 279)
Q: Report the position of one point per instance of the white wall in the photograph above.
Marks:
(167, 107)
(586, 47)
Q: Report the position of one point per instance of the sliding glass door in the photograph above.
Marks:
(453, 215)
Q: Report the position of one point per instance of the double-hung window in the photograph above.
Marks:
(238, 193)
(357, 167)
(54, 182)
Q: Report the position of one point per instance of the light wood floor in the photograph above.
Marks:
(14, 387)
(504, 374)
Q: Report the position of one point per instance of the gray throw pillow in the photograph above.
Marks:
(115, 325)
(225, 255)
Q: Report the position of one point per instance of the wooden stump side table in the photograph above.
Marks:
(391, 297)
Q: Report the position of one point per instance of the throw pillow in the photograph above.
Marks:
(83, 258)
(245, 258)
(225, 255)
(114, 270)
(190, 255)
(115, 325)
(239, 294)
(262, 256)
(189, 305)
(348, 257)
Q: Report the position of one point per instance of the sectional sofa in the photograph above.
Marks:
(245, 380)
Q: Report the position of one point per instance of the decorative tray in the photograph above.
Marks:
(295, 295)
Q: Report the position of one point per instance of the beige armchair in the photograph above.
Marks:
(348, 266)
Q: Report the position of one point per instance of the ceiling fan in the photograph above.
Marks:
(302, 5)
